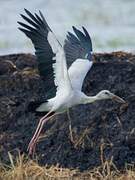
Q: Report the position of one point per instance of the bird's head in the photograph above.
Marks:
(105, 94)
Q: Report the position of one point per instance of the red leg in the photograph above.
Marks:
(39, 124)
(32, 144)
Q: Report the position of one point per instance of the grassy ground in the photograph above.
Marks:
(99, 135)
(23, 168)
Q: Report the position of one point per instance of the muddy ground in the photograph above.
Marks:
(102, 130)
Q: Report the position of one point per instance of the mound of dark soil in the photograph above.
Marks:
(102, 130)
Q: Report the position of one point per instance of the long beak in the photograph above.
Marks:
(118, 99)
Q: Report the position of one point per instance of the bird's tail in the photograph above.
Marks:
(38, 106)
(44, 107)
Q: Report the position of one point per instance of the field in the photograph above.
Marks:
(104, 132)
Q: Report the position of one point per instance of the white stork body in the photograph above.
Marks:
(65, 100)
(68, 81)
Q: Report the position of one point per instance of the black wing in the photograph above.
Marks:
(37, 31)
(78, 45)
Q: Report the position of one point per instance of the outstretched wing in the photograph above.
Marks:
(61, 80)
(77, 45)
(49, 52)
(78, 49)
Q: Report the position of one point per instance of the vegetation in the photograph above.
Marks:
(23, 168)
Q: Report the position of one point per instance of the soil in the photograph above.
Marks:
(102, 131)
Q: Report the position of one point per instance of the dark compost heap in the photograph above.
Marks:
(101, 130)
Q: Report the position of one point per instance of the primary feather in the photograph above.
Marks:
(77, 45)
(37, 31)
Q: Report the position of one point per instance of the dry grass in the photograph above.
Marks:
(25, 169)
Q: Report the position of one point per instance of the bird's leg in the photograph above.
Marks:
(70, 127)
(32, 144)
(39, 124)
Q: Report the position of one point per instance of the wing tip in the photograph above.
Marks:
(75, 29)
(88, 37)
(26, 10)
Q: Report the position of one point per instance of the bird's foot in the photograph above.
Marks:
(31, 147)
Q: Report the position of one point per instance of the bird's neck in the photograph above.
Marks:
(90, 99)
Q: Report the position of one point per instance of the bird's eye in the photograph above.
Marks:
(106, 93)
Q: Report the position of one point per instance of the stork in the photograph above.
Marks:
(63, 67)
